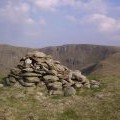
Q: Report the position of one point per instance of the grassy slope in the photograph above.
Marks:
(109, 66)
(94, 104)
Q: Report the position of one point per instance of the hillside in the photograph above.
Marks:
(103, 103)
(109, 67)
(9, 56)
(81, 56)
(73, 56)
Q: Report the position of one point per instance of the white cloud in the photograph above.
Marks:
(29, 21)
(94, 6)
(46, 4)
(104, 22)
(53, 4)
(24, 7)
(42, 22)
(17, 19)
(16, 13)
(71, 18)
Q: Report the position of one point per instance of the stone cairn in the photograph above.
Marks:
(37, 69)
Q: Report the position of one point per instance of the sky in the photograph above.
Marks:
(41, 23)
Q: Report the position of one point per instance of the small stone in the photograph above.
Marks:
(50, 63)
(40, 93)
(76, 76)
(69, 91)
(30, 75)
(1, 85)
(12, 79)
(78, 85)
(50, 78)
(28, 70)
(32, 79)
(25, 84)
(94, 84)
(57, 62)
(64, 82)
(36, 54)
(55, 86)
(67, 85)
(43, 65)
(60, 76)
(39, 60)
(87, 85)
(53, 72)
(40, 72)
(15, 71)
(59, 68)
(28, 61)
(15, 76)
(45, 69)
(9, 81)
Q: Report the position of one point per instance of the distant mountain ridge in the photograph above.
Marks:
(82, 56)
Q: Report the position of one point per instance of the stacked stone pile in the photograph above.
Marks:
(37, 69)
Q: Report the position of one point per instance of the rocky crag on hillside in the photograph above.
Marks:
(37, 69)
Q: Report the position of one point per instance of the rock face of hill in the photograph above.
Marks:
(84, 57)
(80, 56)
(9, 57)
(37, 69)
